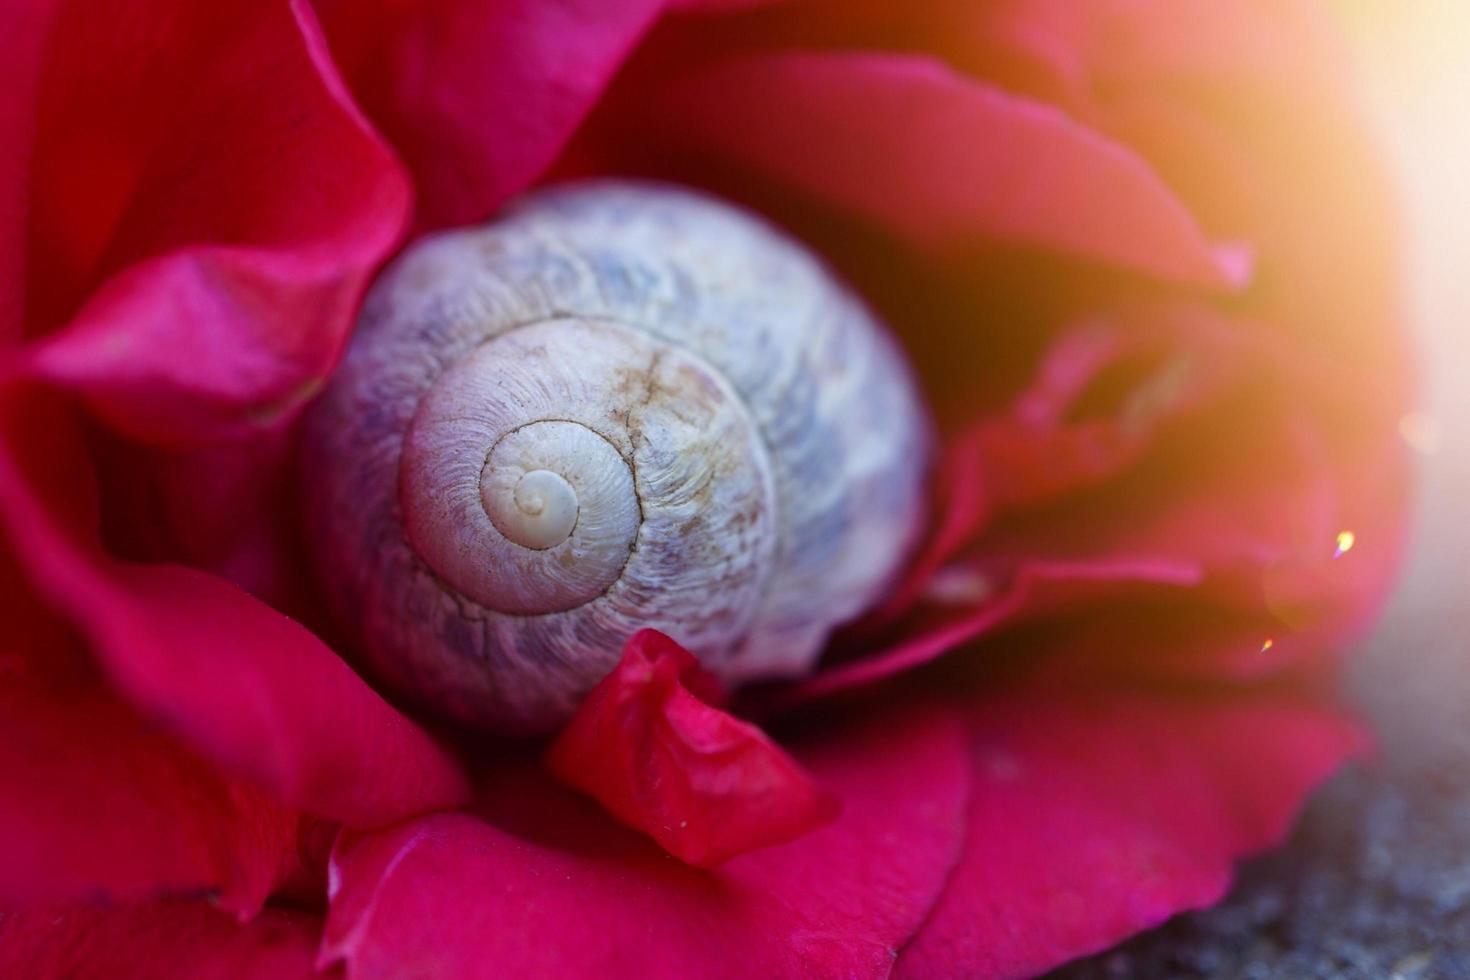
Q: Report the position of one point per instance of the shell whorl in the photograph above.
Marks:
(620, 405)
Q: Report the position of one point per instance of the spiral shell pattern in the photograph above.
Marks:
(620, 405)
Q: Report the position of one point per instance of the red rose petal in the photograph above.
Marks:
(1273, 49)
(1065, 434)
(720, 6)
(199, 178)
(1051, 443)
(1145, 644)
(98, 803)
(1233, 539)
(971, 606)
(1258, 508)
(268, 698)
(704, 784)
(941, 159)
(481, 97)
(1086, 54)
(569, 893)
(231, 508)
(23, 28)
(1212, 471)
(164, 939)
(251, 688)
(1096, 816)
(1256, 95)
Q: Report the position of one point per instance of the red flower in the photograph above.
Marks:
(1140, 254)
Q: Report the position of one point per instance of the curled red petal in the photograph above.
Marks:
(1257, 49)
(559, 890)
(719, 6)
(1098, 815)
(481, 97)
(205, 207)
(98, 802)
(161, 939)
(1248, 111)
(230, 508)
(23, 28)
(261, 694)
(966, 604)
(941, 159)
(1066, 432)
(704, 784)
(1256, 495)
(1177, 451)
(249, 687)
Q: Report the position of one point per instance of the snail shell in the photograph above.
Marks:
(621, 405)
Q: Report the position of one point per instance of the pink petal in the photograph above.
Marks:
(481, 97)
(940, 159)
(1097, 815)
(565, 892)
(704, 784)
(199, 178)
(252, 689)
(147, 941)
(98, 802)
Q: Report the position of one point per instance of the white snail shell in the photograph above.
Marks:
(620, 405)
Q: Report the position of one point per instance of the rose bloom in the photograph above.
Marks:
(1140, 255)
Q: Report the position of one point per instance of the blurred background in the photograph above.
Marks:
(1376, 881)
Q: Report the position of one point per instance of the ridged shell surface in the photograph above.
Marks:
(620, 405)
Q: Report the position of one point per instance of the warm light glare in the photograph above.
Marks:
(1414, 53)
(1420, 432)
(1345, 542)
